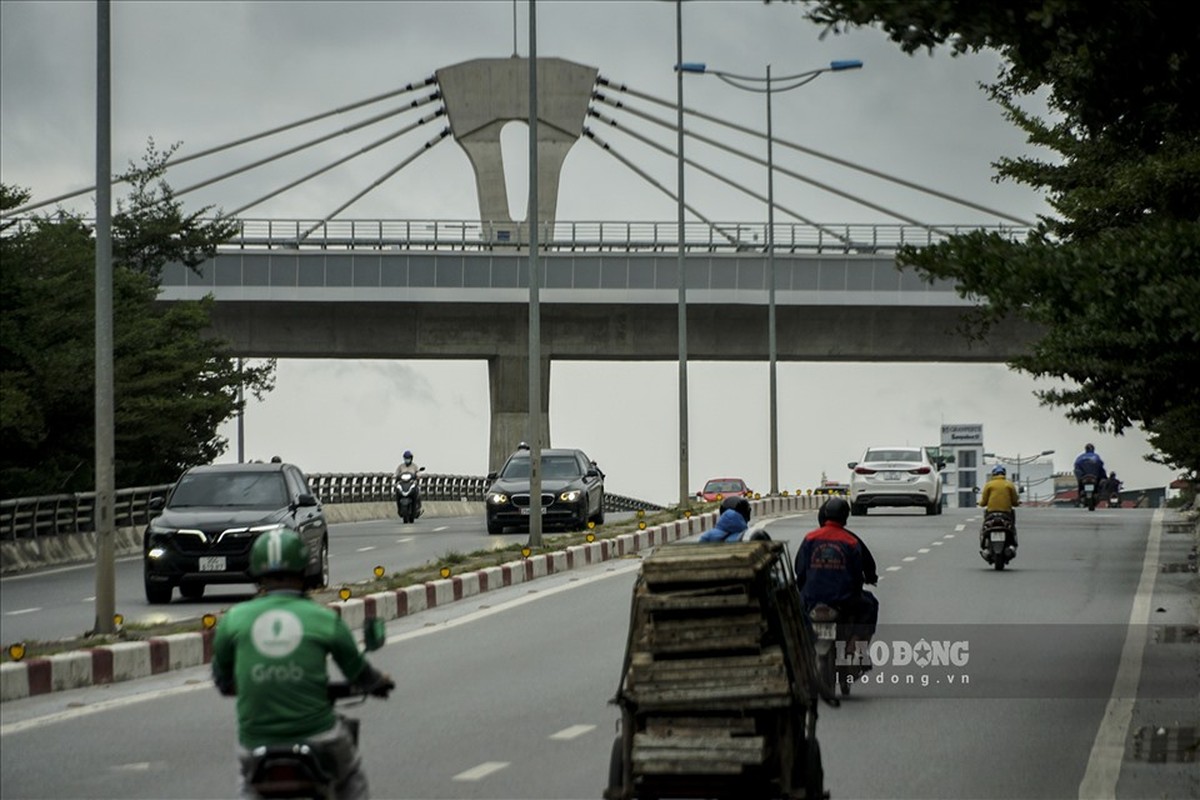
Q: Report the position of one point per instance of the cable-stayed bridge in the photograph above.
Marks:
(337, 286)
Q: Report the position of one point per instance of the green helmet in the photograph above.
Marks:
(278, 551)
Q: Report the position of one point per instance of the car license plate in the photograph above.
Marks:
(212, 563)
(527, 511)
(998, 536)
(825, 630)
(891, 476)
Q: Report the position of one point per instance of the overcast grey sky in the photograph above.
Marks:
(204, 73)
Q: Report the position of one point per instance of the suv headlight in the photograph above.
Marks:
(497, 498)
(268, 527)
(570, 496)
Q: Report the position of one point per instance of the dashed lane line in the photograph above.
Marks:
(405, 540)
(441, 528)
(937, 544)
(21, 611)
(893, 569)
(573, 732)
(482, 771)
(909, 558)
(365, 549)
(960, 527)
(922, 549)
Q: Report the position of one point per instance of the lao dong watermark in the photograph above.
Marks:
(898, 653)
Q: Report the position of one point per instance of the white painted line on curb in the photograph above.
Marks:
(482, 771)
(893, 569)
(1108, 749)
(573, 732)
(20, 611)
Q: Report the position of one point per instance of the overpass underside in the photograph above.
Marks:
(498, 334)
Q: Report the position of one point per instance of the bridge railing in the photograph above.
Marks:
(570, 236)
(56, 515)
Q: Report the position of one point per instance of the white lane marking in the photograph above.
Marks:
(133, 766)
(20, 611)
(405, 540)
(893, 569)
(573, 732)
(909, 558)
(103, 705)
(365, 549)
(937, 544)
(1108, 750)
(960, 527)
(91, 599)
(924, 549)
(441, 528)
(948, 536)
(44, 572)
(482, 771)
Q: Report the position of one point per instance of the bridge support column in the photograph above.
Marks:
(508, 384)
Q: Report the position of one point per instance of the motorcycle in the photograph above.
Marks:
(1089, 492)
(997, 531)
(841, 655)
(299, 770)
(408, 495)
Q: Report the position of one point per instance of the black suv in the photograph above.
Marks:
(212, 516)
(572, 492)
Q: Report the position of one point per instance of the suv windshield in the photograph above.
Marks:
(242, 489)
(892, 455)
(552, 467)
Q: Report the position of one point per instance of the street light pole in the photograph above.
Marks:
(684, 498)
(774, 402)
(749, 83)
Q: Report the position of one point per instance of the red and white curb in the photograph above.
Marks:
(126, 661)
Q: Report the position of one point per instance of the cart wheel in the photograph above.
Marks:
(814, 773)
(616, 772)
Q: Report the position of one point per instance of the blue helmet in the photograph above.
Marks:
(408, 454)
(999, 470)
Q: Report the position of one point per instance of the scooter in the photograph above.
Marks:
(1089, 492)
(408, 495)
(299, 770)
(997, 531)
(840, 660)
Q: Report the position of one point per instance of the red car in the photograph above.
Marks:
(720, 488)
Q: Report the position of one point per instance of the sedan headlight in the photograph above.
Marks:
(269, 527)
(497, 498)
(570, 496)
(156, 552)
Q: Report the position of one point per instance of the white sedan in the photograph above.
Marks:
(895, 476)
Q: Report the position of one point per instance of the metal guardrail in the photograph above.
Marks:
(584, 236)
(55, 515)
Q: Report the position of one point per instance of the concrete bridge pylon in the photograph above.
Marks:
(483, 95)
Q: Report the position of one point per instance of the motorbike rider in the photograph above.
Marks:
(832, 566)
(1088, 463)
(1112, 487)
(271, 653)
(1000, 495)
(408, 465)
(733, 522)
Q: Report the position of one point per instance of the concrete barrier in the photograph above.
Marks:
(131, 660)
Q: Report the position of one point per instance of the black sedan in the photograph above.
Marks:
(213, 515)
(572, 492)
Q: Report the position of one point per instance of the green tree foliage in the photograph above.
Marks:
(1114, 277)
(174, 384)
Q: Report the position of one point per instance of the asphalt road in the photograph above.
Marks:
(507, 695)
(59, 603)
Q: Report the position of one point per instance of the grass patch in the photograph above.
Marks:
(459, 563)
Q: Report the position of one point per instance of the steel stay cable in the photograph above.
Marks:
(244, 140)
(601, 81)
(342, 160)
(590, 134)
(310, 143)
(428, 145)
(662, 149)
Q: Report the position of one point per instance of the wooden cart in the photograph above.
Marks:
(719, 690)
